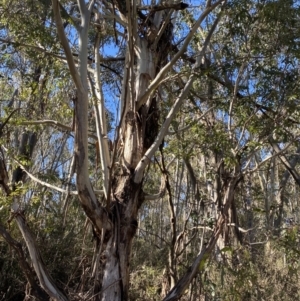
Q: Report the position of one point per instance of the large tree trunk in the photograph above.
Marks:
(139, 130)
(137, 137)
(124, 211)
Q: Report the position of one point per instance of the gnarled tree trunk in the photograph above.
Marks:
(139, 130)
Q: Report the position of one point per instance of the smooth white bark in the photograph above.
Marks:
(101, 122)
(44, 277)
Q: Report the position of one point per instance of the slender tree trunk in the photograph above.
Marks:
(228, 194)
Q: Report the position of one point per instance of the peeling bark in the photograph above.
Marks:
(146, 65)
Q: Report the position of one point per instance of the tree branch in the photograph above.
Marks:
(139, 170)
(154, 8)
(286, 163)
(65, 44)
(160, 76)
(54, 123)
(29, 274)
(101, 120)
(43, 275)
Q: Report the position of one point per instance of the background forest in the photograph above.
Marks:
(149, 150)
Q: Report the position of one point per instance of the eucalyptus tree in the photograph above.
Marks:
(138, 136)
(144, 34)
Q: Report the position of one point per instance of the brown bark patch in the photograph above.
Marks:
(132, 146)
